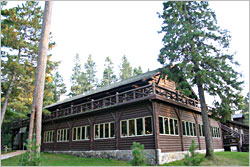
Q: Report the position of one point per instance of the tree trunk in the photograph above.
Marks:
(5, 103)
(41, 68)
(205, 120)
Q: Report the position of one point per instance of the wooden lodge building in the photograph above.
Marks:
(105, 122)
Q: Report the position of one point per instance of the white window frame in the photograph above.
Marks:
(60, 135)
(98, 138)
(191, 128)
(135, 121)
(49, 133)
(76, 134)
(201, 130)
(169, 129)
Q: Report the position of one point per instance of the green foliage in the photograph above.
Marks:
(245, 109)
(108, 74)
(31, 157)
(193, 159)
(196, 52)
(137, 71)
(125, 69)
(138, 154)
(91, 80)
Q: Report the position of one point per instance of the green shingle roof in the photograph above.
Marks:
(146, 75)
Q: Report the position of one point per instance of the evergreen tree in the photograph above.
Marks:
(108, 74)
(245, 109)
(125, 69)
(91, 80)
(197, 48)
(137, 71)
(78, 78)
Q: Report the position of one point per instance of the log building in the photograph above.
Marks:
(105, 122)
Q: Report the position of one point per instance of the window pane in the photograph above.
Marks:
(83, 133)
(74, 134)
(183, 128)
(124, 128)
(131, 127)
(101, 131)
(47, 136)
(191, 128)
(161, 125)
(88, 132)
(58, 135)
(176, 127)
(194, 127)
(148, 125)
(52, 136)
(106, 130)
(96, 131)
(112, 129)
(218, 132)
(187, 126)
(61, 135)
(171, 126)
(202, 127)
(166, 126)
(139, 126)
(78, 133)
(67, 134)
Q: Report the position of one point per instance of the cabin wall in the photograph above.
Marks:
(171, 143)
(139, 109)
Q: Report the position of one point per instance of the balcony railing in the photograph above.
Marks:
(122, 98)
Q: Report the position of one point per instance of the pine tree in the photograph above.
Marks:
(78, 78)
(137, 71)
(91, 80)
(108, 74)
(125, 69)
(245, 109)
(197, 48)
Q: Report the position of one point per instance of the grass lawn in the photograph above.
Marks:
(48, 159)
(221, 159)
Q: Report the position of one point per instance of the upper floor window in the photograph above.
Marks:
(49, 136)
(136, 127)
(81, 133)
(104, 130)
(63, 135)
(168, 126)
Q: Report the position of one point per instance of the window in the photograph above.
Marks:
(139, 126)
(201, 130)
(104, 130)
(189, 128)
(168, 126)
(216, 132)
(136, 127)
(148, 125)
(48, 136)
(183, 128)
(63, 135)
(80, 133)
(131, 127)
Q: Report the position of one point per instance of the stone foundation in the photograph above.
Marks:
(126, 155)
(167, 157)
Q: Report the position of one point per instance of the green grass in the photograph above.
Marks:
(221, 159)
(48, 159)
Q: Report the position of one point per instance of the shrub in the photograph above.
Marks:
(193, 159)
(31, 157)
(138, 154)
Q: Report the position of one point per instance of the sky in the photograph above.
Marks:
(107, 28)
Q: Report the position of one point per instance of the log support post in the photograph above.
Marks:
(179, 117)
(91, 125)
(117, 116)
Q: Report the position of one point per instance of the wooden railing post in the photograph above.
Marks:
(71, 108)
(116, 98)
(57, 112)
(153, 85)
(92, 104)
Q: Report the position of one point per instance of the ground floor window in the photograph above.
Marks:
(168, 126)
(104, 130)
(63, 135)
(216, 132)
(49, 136)
(81, 133)
(188, 128)
(136, 126)
(201, 130)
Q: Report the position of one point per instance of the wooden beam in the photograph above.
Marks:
(117, 116)
(91, 125)
(179, 116)
(196, 128)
